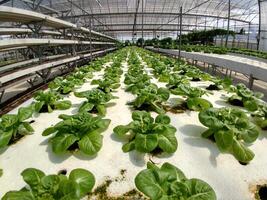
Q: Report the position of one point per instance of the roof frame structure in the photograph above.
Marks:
(113, 15)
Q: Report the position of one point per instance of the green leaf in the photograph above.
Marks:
(103, 125)
(28, 127)
(207, 133)
(8, 120)
(84, 179)
(209, 118)
(32, 176)
(49, 131)
(173, 172)
(179, 188)
(101, 109)
(167, 141)
(250, 134)
(121, 130)
(224, 139)
(69, 190)
(91, 143)
(5, 137)
(128, 147)
(60, 143)
(49, 108)
(50, 183)
(146, 143)
(38, 106)
(141, 116)
(25, 113)
(198, 104)
(147, 183)
(199, 190)
(251, 105)
(62, 105)
(163, 119)
(18, 195)
(241, 152)
(164, 93)
(86, 107)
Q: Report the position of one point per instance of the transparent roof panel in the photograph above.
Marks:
(125, 17)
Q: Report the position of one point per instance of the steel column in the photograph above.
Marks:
(228, 22)
(180, 35)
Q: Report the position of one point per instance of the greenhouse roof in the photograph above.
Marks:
(159, 17)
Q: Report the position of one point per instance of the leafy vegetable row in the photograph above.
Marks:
(15, 126)
(231, 129)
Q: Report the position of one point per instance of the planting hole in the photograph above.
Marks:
(242, 163)
(63, 172)
(262, 192)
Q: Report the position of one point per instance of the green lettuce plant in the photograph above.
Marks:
(49, 101)
(260, 116)
(151, 98)
(188, 91)
(169, 183)
(220, 84)
(231, 130)
(106, 85)
(96, 101)
(51, 187)
(81, 131)
(62, 85)
(244, 97)
(198, 104)
(147, 134)
(193, 94)
(15, 126)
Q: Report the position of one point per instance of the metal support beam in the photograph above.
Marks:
(251, 81)
(259, 31)
(180, 34)
(86, 14)
(119, 14)
(2, 92)
(135, 17)
(228, 22)
(90, 33)
(142, 23)
(249, 26)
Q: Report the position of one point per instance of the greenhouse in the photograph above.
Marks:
(133, 99)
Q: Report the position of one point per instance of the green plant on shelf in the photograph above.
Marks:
(96, 101)
(244, 97)
(220, 84)
(62, 85)
(170, 183)
(260, 116)
(148, 135)
(14, 126)
(231, 130)
(176, 79)
(106, 85)
(78, 184)
(151, 98)
(187, 90)
(49, 101)
(77, 132)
